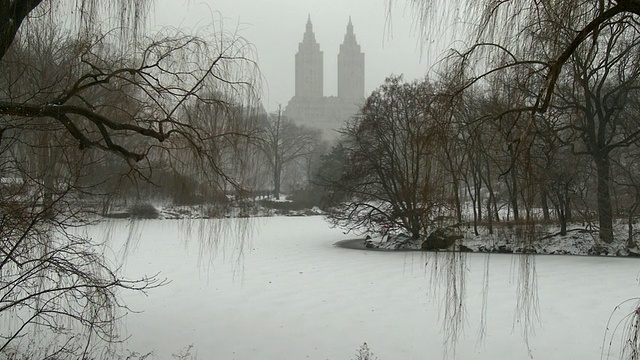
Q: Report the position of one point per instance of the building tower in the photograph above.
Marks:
(309, 77)
(309, 106)
(350, 68)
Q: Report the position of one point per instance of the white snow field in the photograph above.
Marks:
(291, 294)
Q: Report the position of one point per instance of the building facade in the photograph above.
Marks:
(309, 106)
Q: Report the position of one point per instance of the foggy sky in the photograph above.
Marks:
(275, 27)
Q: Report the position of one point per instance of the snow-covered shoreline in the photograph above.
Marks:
(546, 240)
(508, 238)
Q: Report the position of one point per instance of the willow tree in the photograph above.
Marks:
(543, 39)
(579, 44)
(81, 92)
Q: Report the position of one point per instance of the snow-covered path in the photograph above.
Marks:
(292, 295)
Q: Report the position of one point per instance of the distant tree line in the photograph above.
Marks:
(566, 72)
(423, 155)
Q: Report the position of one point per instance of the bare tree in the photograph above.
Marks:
(603, 81)
(513, 29)
(549, 42)
(71, 99)
(392, 176)
(627, 171)
(283, 142)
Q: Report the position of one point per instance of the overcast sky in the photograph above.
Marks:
(275, 27)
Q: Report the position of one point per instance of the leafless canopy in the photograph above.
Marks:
(79, 97)
(503, 34)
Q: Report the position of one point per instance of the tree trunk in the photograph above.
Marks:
(566, 209)
(563, 223)
(514, 195)
(605, 211)
(630, 229)
(489, 216)
(544, 203)
(475, 212)
(12, 14)
(491, 202)
(456, 197)
(415, 227)
(562, 218)
(277, 170)
(478, 190)
(632, 212)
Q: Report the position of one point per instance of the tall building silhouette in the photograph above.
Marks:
(350, 67)
(309, 106)
(309, 69)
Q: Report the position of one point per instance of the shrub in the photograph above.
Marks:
(144, 211)
(214, 211)
(307, 198)
(364, 353)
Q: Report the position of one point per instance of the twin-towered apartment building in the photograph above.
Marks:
(309, 106)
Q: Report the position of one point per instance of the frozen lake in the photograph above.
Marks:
(288, 293)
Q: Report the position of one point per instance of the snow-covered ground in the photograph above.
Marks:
(286, 292)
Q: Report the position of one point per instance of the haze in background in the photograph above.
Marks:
(275, 27)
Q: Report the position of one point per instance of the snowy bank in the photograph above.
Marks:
(511, 239)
